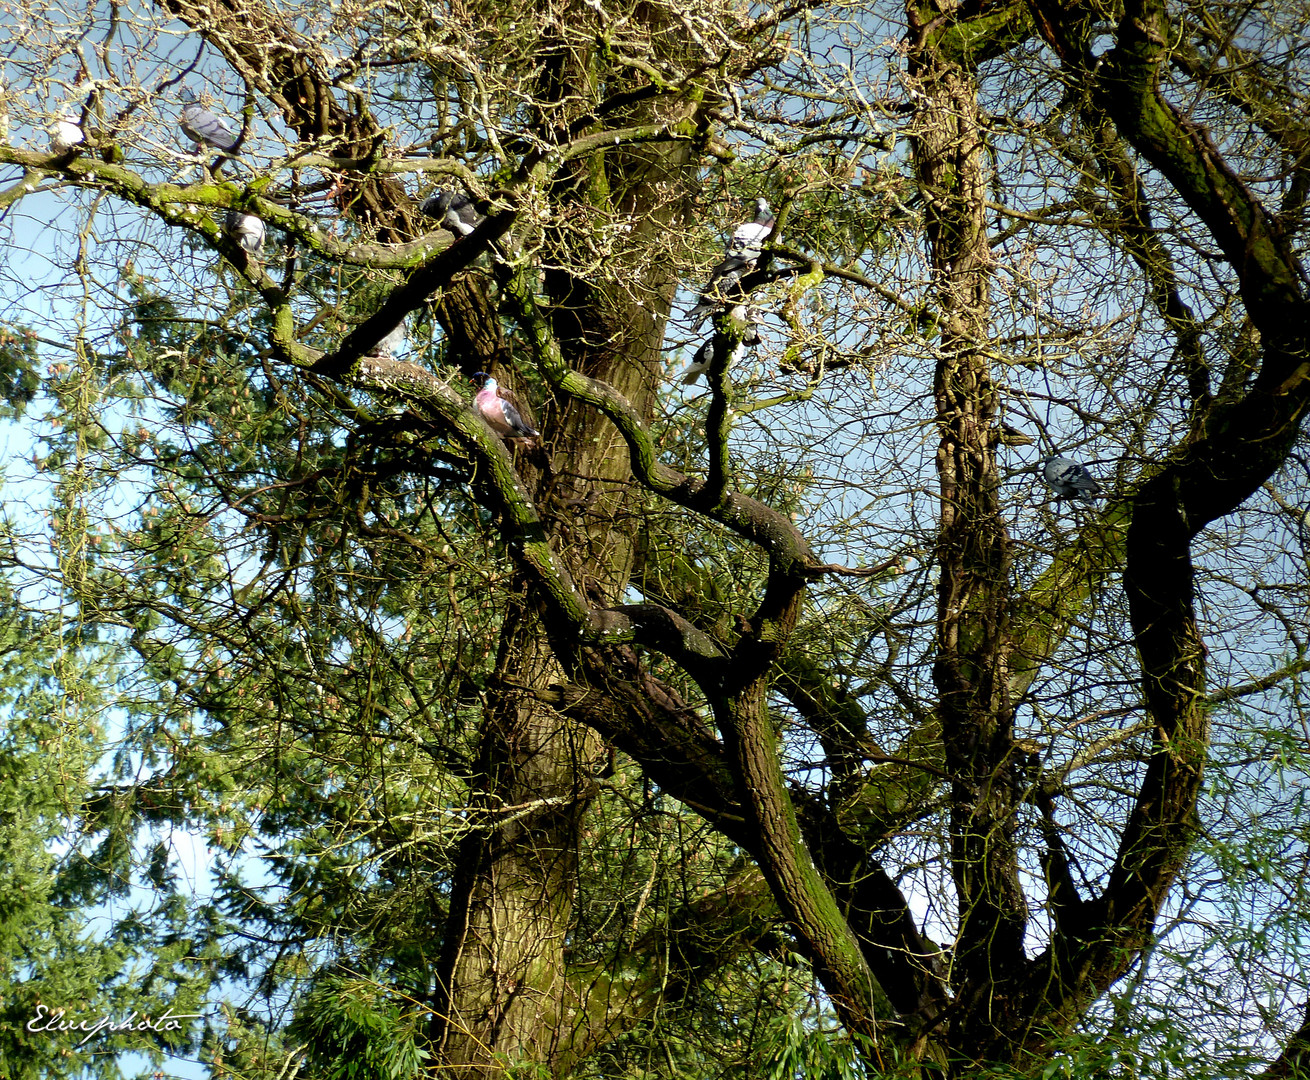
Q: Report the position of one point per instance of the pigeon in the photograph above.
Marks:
(66, 133)
(454, 211)
(387, 347)
(743, 250)
(202, 127)
(1069, 480)
(700, 363)
(502, 410)
(751, 316)
(247, 230)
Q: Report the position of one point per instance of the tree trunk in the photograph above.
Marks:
(505, 993)
(971, 670)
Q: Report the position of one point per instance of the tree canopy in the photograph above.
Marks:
(789, 722)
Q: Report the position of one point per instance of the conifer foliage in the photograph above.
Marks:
(790, 721)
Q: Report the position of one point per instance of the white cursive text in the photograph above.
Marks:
(170, 1021)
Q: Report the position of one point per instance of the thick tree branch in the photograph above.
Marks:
(1239, 446)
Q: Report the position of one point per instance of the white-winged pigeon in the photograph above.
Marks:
(66, 133)
(743, 251)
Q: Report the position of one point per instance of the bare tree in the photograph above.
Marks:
(923, 721)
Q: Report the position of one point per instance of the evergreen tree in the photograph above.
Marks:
(714, 732)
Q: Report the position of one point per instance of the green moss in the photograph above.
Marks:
(974, 40)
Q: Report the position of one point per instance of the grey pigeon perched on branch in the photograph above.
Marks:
(66, 133)
(1069, 480)
(453, 210)
(743, 250)
(500, 408)
(247, 230)
(202, 127)
(700, 363)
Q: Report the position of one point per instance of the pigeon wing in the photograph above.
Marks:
(719, 289)
(747, 243)
(455, 211)
(1070, 480)
(202, 126)
(66, 133)
(1087, 486)
(517, 415)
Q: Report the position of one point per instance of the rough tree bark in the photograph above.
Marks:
(572, 679)
(971, 670)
